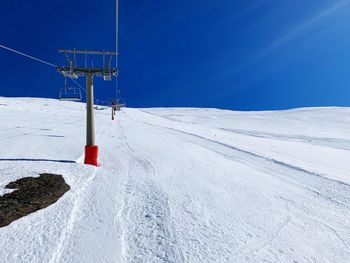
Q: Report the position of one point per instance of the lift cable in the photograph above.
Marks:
(116, 34)
(116, 49)
(28, 56)
(39, 60)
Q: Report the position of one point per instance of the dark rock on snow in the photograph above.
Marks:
(31, 194)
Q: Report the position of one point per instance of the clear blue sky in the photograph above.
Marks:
(243, 54)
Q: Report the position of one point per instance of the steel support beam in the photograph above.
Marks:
(91, 52)
(90, 125)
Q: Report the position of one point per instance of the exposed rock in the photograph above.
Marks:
(31, 194)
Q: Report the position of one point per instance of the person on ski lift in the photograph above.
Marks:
(114, 107)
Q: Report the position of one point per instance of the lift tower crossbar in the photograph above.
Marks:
(73, 71)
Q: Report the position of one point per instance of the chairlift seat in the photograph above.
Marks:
(70, 94)
(107, 76)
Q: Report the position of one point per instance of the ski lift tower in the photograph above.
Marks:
(73, 71)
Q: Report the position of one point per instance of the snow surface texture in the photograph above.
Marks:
(180, 185)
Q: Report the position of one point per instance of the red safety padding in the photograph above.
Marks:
(91, 154)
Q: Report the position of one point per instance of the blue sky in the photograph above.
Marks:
(243, 54)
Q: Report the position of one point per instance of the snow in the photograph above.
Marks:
(180, 184)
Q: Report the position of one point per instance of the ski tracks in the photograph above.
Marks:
(147, 233)
(253, 248)
(69, 227)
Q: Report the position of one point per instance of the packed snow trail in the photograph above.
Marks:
(180, 185)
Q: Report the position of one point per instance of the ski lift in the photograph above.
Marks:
(70, 93)
(107, 74)
(118, 104)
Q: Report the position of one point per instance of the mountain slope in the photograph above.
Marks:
(181, 185)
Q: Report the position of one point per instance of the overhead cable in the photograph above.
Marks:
(28, 56)
(38, 60)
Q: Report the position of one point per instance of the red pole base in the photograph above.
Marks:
(91, 154)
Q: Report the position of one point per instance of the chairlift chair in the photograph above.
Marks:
(69, 93)
(118, 104)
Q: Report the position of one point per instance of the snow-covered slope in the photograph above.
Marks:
(181, 185)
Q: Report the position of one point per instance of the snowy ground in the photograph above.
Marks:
(181, 185)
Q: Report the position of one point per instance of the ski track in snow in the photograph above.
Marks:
(262, 243)
(330, 142)
(69, 228)
(147, 233)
